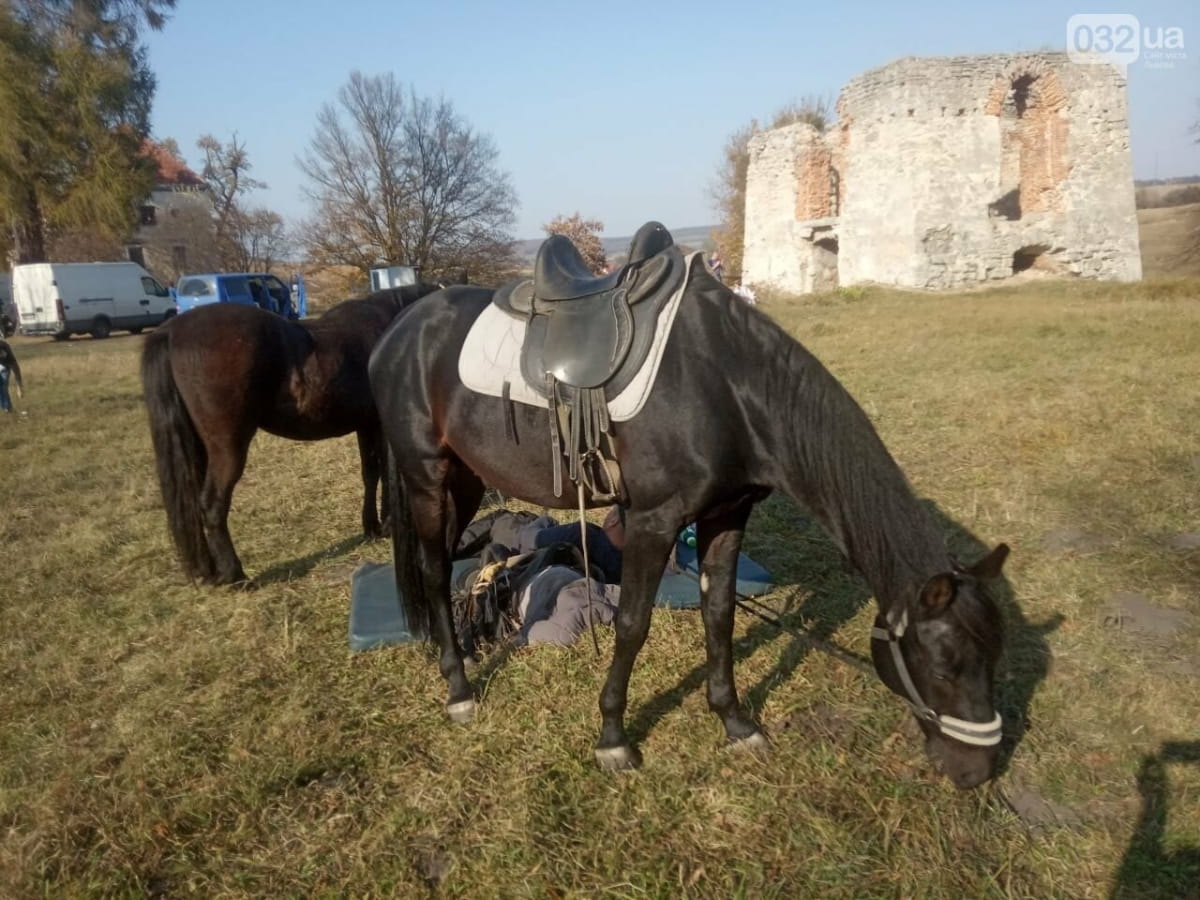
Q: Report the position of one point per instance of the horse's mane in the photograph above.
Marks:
(853, 485)
(891, 536)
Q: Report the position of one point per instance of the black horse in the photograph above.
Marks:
(739, 409)
(215, 375)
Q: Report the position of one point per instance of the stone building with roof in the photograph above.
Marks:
(175, 232)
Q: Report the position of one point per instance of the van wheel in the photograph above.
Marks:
(136, 329)
(101, 328)
(62, 336)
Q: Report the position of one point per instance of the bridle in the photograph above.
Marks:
(980, 734)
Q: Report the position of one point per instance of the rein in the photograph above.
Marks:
(756, 608)
(980, 734)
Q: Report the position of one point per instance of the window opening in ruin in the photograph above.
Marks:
(825, 264)
(1019, 147)
(1028, 258)
(1007, 207)
(1020, 92)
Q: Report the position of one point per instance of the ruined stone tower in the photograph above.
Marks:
(946, 172)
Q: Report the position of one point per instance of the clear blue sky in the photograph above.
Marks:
(618, 110)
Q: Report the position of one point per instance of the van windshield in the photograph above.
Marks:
(197, 287)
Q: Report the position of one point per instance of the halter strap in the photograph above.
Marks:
(980, 734)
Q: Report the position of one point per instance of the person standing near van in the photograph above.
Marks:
(9, 364)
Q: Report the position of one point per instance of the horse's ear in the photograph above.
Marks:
(990, 565)
(938, 594)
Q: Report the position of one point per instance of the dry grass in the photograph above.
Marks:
(1170, 241)
(167, 740)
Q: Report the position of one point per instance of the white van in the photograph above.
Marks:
(63, 299)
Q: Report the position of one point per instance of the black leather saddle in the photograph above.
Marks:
(586, 337)
(587, 331)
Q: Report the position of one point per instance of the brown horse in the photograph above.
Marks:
(215, 375)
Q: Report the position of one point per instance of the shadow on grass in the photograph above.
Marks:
(298, 568)
(1027, 655)
(835, 597)
(1149, 869)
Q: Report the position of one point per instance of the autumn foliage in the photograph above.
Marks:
(585, 235)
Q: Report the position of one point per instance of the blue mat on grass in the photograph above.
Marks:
(377, 620)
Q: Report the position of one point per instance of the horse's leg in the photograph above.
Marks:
(466, 494)
(226, 462)
(433, 510)
(647, 545)
(370, 457)
(719, 540)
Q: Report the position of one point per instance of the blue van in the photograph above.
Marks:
(247, 288)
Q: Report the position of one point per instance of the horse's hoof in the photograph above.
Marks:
(617, 759)
(755, 743)
(461, 712)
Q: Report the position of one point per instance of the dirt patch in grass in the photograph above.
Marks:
(1063, 540)
(1135, 612)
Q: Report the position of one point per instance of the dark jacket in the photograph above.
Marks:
(9, 360)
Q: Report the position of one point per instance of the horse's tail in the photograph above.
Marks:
(179, 456)
(406, 553)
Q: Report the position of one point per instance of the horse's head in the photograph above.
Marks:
(939, 653)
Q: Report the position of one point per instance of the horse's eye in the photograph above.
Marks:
(942, 675)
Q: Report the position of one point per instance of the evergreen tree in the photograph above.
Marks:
(76, 91)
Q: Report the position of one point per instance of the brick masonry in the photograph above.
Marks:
(948, 172)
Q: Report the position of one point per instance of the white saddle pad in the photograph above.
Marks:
(491, 356)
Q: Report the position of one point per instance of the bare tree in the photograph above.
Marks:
(245, 239)
(226, 170)
(729, 188)
(585, 235)
(397, 178)
(258, 240)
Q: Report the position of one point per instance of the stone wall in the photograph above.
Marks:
(948, 172)
(181, 237)
(782, 192)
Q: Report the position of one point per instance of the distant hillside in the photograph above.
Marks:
(693, 238)
(1167, 191)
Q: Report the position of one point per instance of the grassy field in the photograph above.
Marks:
(165, 740)
(1170, 241)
